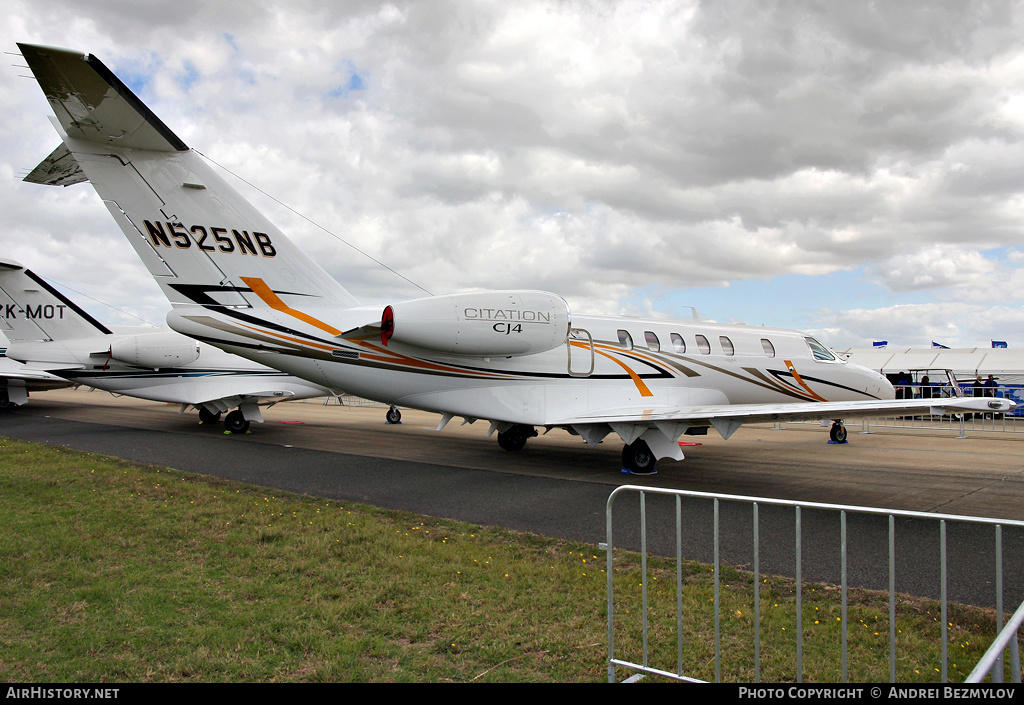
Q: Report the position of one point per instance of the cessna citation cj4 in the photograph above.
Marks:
(514, 358)
(47, 331)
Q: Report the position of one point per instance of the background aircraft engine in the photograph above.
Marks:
(485, 324)
(155, 350)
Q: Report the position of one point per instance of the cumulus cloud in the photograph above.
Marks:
(934, 267)
(599, 149)
(954, 325)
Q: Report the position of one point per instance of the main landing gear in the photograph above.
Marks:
(837, 434)
(638, 459)
(208, 417)
(234, 422)
(393, 415)
(515, 438)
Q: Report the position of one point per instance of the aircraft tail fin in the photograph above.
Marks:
(200, 239)
(33, 310)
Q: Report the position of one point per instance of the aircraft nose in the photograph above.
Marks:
(886, 390)
(883, 387)
(876, 384)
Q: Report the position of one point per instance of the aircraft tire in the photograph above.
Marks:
(208, 417)
(837, 433)
(514, 439)
(393, 415)
(638, 458)
(5, 402)
(235, 422)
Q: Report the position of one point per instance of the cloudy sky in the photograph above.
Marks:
(853, 169)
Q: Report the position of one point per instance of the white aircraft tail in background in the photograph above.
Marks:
(515, 358)
(50, 334)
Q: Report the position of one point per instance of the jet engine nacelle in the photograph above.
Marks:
(484, 324)
(155, 350)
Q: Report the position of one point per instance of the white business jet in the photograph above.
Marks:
(48, 333)
(517, 359)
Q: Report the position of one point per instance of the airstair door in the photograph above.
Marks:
(580, 349)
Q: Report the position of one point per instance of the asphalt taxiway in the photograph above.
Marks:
(558, 486)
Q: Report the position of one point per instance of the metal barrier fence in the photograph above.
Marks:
(991, 663)
(643, 665)
(960, 425)
(345, 400)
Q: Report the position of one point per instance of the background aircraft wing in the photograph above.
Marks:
(256, 396)
(30, 380)
(17, 381)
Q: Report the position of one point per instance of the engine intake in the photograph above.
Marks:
(484, 324)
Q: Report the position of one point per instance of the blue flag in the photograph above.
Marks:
(998, 343)
(879, 343)
(936, 345)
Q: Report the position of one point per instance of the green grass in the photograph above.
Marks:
(113, 571)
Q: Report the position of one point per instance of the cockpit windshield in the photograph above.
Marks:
(819, 351)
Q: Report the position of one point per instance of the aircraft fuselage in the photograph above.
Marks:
(607, 363)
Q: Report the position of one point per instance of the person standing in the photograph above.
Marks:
(990, 386)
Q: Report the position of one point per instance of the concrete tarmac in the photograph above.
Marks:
(559, 486)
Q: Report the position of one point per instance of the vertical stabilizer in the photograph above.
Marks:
(31, 309)
(199, 237)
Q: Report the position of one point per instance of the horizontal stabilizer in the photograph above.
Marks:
(93, 104)
(371, 330)
(58, 169)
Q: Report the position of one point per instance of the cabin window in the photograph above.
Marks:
(652, 341)
(769, 349)
(727, 346)
(703, 345)
(678, 344)
(819, 351)
(625, 339)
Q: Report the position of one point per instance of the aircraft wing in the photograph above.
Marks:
(726, 418)
(54, 367)
(31, 380)
(17, 381)
(248, 402)
(257, 396)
